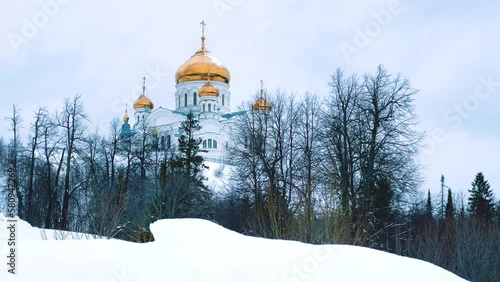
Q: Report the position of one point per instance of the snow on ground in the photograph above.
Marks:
(198, 250)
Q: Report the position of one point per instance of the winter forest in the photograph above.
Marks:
(338, 167)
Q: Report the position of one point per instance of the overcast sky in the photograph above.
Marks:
(52, 49)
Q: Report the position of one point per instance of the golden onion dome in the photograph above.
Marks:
(125, 116)
(154, 132)
(208, 90)
(261, 104)
(143, 102)
(202, 66)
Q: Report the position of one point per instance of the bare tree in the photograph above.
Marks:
(371, 142)
(107, 183)
(15, 124)
(339, 126)
(40, 118)
(248, 173)
(110, 149)
(307, 149)
(264, 154)
(341, 165)
(72, 122)
(389, 140)
(50, 147)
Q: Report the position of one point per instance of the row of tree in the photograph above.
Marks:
(334, 169)
(480, 205)
(72, 179)
(463, 238)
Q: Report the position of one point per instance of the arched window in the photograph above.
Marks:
(194, 98)
(168, 142)
(185, 99)
(203, 107)
(209, 144)
(162, 142)
(209, 107)
(223, 100)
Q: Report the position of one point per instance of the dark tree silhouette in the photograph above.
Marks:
(481, 198)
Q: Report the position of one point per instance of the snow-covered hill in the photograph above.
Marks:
(198, 250)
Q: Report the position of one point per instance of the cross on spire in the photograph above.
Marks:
(203, 24)
(144, 86)
(262, 88)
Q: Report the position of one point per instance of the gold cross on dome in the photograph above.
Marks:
(203, 24)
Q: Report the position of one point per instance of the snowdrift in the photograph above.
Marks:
(198, 250)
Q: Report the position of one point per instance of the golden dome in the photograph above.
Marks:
(125, 117)
(154, 132)
(261, 104)
(209, 90)
(202, 66)
(143, 102)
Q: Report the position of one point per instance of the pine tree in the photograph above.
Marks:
(382, 199)
(189, 148)
(450, 208)
(428, 206)
(481, 198)
(190, 164)
(462, 210)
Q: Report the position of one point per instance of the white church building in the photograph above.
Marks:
(202, 84)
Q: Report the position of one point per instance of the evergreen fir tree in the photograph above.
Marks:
(462, 210)
(481, 198)
(190, 164)
(382, 200)
(428, 206)
(189, 148)
(450, 208)
(181, 191)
